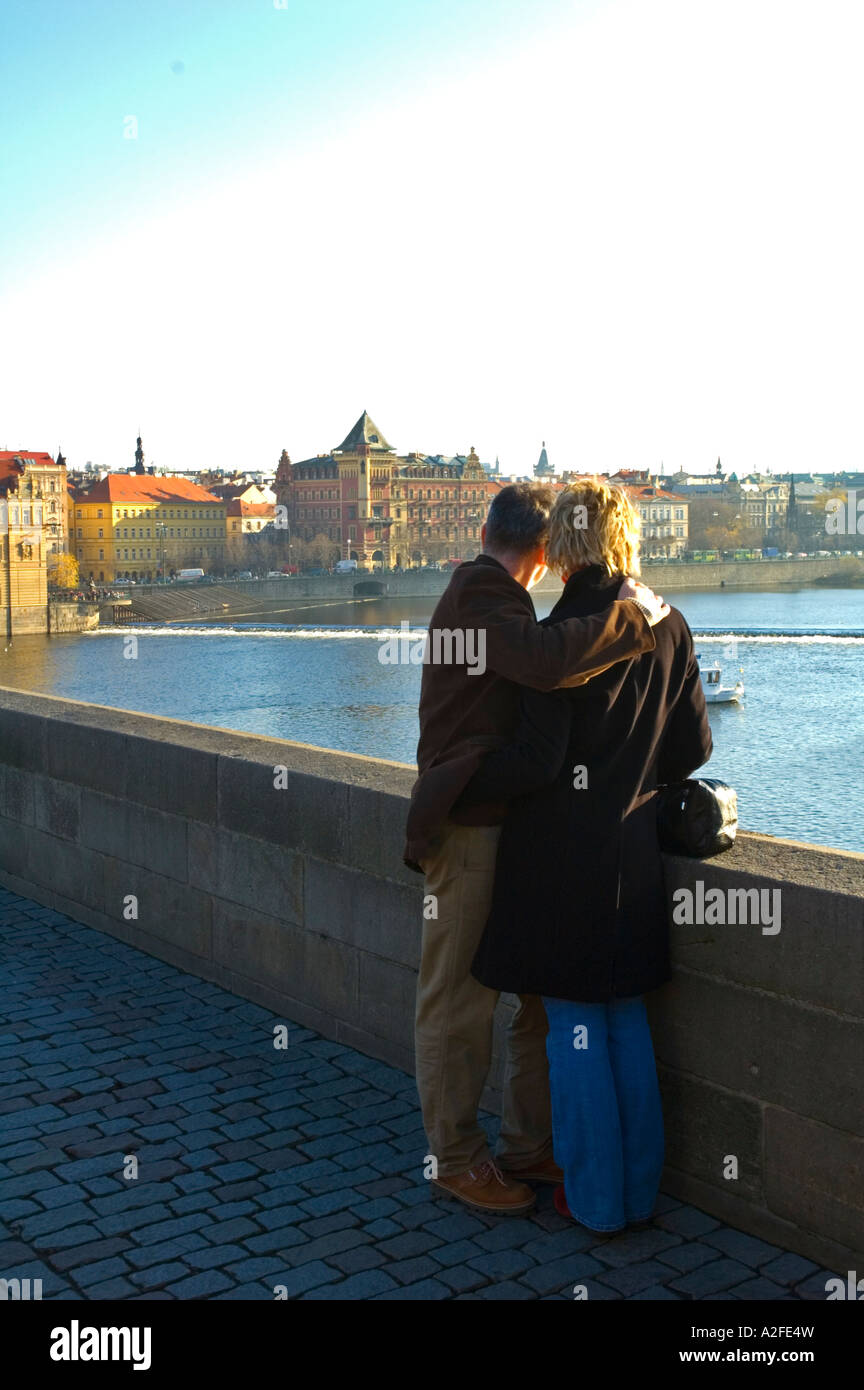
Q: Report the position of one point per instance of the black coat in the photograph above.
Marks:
(579, 906)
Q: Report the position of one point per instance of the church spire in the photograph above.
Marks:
(139, 456)
(543, 468)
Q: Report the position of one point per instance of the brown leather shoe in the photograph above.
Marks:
(488, 1189)
(546, 1170)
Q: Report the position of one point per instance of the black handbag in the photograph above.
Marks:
(697, 818)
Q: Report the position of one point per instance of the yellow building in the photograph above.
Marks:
(137, 525)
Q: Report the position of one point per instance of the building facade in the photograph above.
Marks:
(142, 526)
(378, 507)
(664, 520)
(23, 565)
(764, 502)
(26, 473)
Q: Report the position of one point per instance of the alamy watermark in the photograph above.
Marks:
(720, 907)
(441, 646)
(845, 518)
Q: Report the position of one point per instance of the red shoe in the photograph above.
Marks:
(559, 1199)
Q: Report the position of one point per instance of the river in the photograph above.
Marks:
(794, 749)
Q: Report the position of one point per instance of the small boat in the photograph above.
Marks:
(716, 693)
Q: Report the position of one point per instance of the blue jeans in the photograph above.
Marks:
(606, 1115)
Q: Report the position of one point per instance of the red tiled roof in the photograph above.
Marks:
(146, 487)
(10, 471)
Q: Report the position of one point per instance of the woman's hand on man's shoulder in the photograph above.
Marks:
(652, 604)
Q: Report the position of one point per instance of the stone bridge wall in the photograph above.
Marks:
(288, 888)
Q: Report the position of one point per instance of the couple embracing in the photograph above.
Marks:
(533, 821)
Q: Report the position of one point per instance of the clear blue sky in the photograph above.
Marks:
(215, 84)
(630, 227)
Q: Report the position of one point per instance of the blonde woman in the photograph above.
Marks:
(579, 912)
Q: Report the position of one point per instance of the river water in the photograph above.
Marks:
(794, 750)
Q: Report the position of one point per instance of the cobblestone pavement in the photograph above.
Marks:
(261, 1167)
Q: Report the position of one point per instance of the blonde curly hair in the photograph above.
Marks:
(593, 523)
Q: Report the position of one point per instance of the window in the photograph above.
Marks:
(101, 557)
(98, 512)
(100, 533)
(79, 530)
(80, 513)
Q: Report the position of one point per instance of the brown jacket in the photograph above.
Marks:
(462, 715)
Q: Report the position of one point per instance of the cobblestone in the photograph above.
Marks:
(262, 1168)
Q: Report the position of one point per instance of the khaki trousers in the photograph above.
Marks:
(454, 1020)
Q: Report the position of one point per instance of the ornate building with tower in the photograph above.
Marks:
(28, 535)
(380, 507)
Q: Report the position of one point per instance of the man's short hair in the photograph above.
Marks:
(518, 520)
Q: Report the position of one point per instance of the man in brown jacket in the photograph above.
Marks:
(484, 642)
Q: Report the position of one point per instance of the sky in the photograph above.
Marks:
(632, 229)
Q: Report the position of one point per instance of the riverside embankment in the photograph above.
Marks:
(254, 598)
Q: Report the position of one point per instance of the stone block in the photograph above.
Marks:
(14, 846)
(134, 834)
(57, 807)
(170, 775)
(813, 1177)
(253, 873)
(22, 733)
(817, 957)
(376, 830)
(705, 1124)
(87, 754)
(77, 871)
(386, 993)
(370, 913)
(16, 794)
(762, 1046)
(309, 813)
(167, 910)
